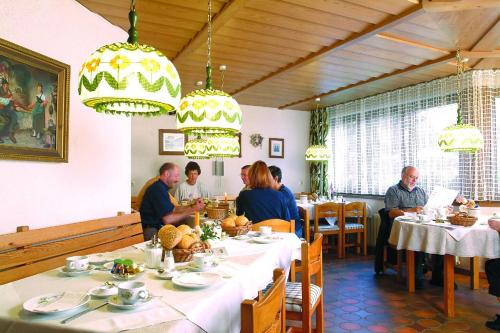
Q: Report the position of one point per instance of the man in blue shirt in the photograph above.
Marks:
(157, 209)
(290, 199)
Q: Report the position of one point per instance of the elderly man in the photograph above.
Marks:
(492, 269)
(157, 209)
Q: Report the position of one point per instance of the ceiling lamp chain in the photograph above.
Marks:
(129, 78)
(460, 137)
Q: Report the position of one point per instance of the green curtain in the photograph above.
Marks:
(317, 136)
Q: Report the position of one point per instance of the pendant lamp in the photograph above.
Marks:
(196, 149)
(460, 137)
(223, 145)
(209, 111)
(318, 152)
(129, 78)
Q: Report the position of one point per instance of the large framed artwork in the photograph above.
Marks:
(171, 142)
(276, 148)
(34, 105)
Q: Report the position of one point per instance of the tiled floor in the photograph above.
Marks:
(358, 301)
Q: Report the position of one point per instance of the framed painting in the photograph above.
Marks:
(34, 105)
(276, 148)
(171, 142)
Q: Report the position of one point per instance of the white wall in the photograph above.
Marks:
(96, 181)
(291, 125)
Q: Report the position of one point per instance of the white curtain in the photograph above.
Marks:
(374, 138)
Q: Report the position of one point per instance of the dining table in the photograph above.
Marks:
(479, 240)
(244, 266)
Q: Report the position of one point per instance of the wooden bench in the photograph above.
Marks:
(28, 252)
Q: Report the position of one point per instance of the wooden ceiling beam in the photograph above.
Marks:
(481, 54)
(410, 42)
(492, 34)
(218, 21)
(373, 79)
(354, 38)
(456, 5)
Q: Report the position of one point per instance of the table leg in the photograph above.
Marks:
(474, 273)
(449, 289)
(410, 270)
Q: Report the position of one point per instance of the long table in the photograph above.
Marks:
(444, 239)
(246, 269)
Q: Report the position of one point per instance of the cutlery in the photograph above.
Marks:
(81, 313)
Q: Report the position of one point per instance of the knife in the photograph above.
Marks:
(81, 313)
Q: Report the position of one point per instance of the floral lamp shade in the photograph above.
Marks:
(130, 79)
(461, 138)
(209, 111)
(196, 149)
(318, 153)
(223, 146)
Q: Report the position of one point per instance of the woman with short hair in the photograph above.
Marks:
(261, 202)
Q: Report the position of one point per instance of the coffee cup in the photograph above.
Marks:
(77, 263)
(131, 292)
(203, 261)
(303, 199)
(265, 230)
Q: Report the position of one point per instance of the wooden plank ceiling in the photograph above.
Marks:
(285, 53)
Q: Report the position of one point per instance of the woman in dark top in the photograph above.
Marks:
(262, 202)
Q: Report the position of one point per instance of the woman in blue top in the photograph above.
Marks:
(262, 202)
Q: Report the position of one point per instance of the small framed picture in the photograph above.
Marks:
(171, 142)
(276, 148)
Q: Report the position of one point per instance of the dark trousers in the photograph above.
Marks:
(492, 269)
(149, 232)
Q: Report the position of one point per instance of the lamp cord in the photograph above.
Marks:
(460, 71)
(209, 82)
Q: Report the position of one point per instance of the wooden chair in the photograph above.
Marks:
(354, 222)
(304, 214)
(330, 210)
(267, 313)
(137, 200)
(304, 298)
(28, 252)
(277, 225)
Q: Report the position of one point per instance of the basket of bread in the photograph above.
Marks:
(234, 225)
(182, 240)
(463, 219)
(217, 213)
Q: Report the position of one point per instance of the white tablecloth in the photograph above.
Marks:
(476, 241)
(173, 309)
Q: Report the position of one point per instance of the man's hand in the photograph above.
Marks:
(198, 204)
(494, 224)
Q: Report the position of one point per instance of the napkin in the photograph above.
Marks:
(65, 301)
(455, 231)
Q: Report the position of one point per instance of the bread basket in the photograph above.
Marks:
(463, 219)
(217, 213)
(237, 231)
(183, 255)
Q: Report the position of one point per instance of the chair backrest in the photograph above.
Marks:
(327, 209)
(312, 266)
(355, 210)
(277, 225)
(304, 215)
(267, 314)
(140, 196)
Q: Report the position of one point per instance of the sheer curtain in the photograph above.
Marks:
(374, 137)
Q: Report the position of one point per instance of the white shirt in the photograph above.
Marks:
(188, 192)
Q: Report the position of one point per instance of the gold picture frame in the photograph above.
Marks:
(34, 105)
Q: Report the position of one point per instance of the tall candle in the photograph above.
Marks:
(197, 219)
(225, 197)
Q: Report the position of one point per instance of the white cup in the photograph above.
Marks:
(265, 230)
(203, 261)
(77, 263)
(303, 199)
(132, 292)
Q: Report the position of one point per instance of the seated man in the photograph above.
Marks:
(290, 199)
(191, 188)
(492, 269)
(244, 177)
(156, 207)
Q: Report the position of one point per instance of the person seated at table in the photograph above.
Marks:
(492, 269)
(244, 177)
(261, 202)
(192, 188)
(290, 198)
(157, 209)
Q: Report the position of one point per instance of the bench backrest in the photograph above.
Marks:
(28, 252)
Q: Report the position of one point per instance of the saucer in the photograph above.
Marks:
(196, 280)
(242, 237)
(103, 291)
(116, 302)
(65, 271)
(166, 275)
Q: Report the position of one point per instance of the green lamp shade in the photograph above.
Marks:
(463, 138)
(318, 153)
(220, 145)
(209, 111)
(196, 149)
(130, 79)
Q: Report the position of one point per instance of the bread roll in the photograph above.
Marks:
(232, 216)
(228, 223)
(186, 242)
(241, 220)
(185, 229)
(169, 236)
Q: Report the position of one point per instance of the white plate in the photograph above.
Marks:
(126, 277)
(103, 291)
(114, 301)
(242, 237)
(265, 240)
(89, 269)
(100, 258)
(166, 275)
(35, 304)
(196, 280)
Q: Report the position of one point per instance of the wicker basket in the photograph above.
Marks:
(217, 213)
(183, 255)
(463, 219)
(237, 231)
